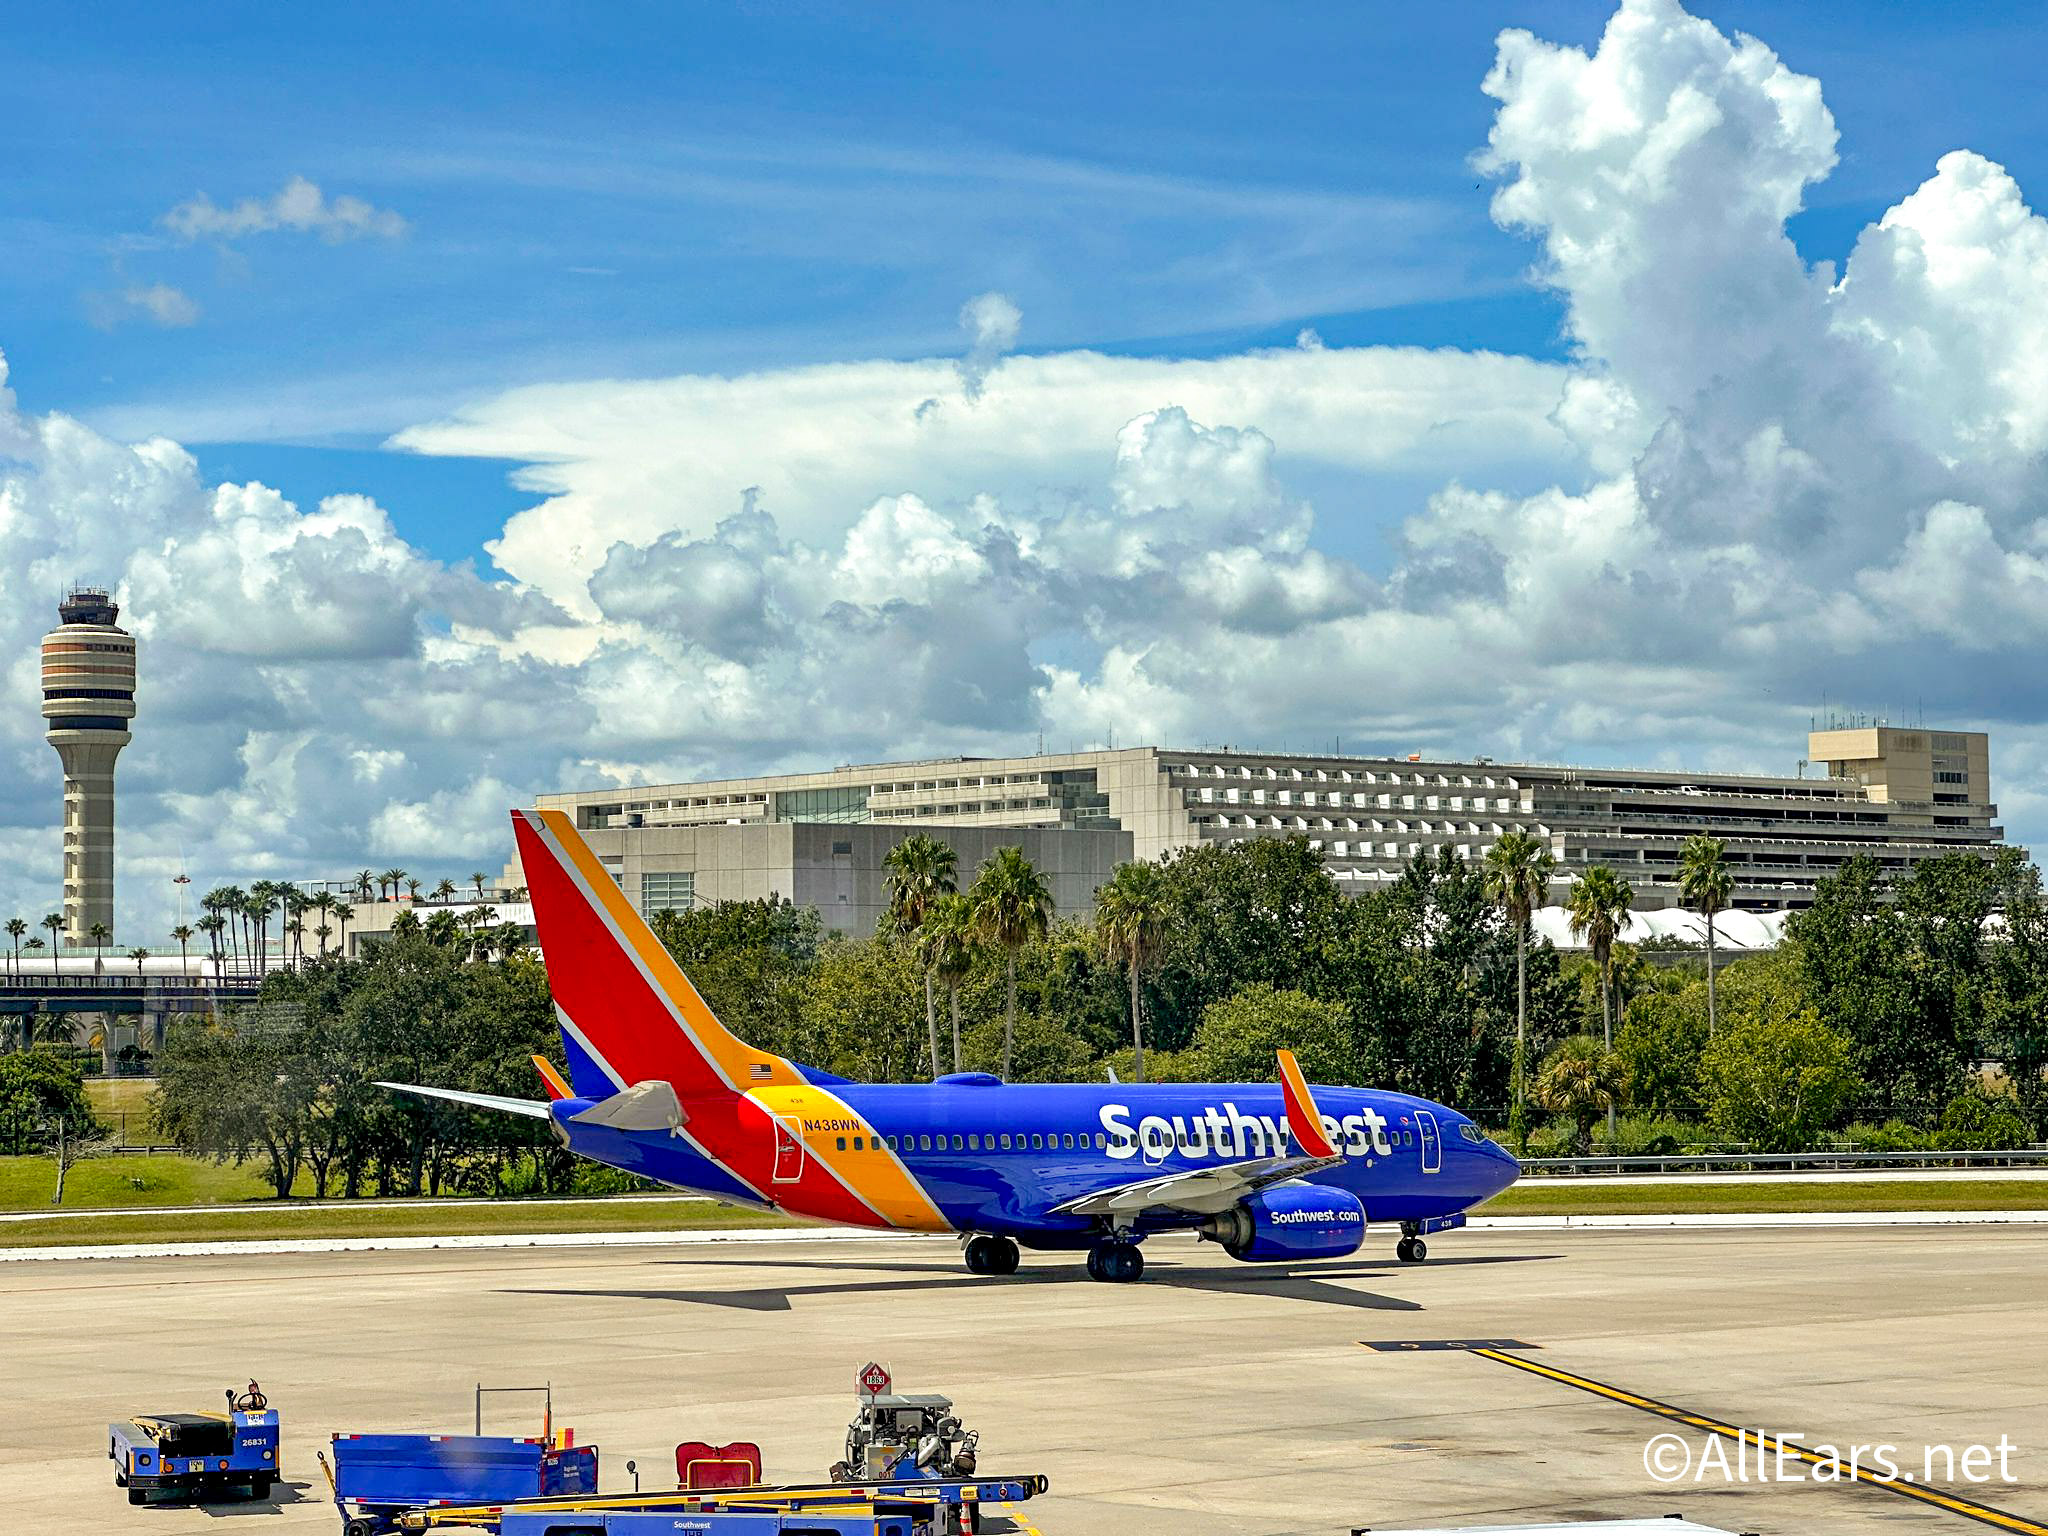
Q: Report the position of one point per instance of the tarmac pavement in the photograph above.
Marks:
(1213, 1397)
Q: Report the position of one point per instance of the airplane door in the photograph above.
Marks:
(789, 1153)
(1432, 1142)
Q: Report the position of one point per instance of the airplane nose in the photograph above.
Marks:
(1495, 1166)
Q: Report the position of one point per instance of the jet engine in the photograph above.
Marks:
(1290, 1221)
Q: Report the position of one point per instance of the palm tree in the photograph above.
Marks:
(183, 935)
(921, 870)
(54, 921)
(390, 881)
(1579, 1080)
(444, 889)
(323, 908)
(365, 879)
(1517, 878)
(1705, 885)
(213, 925)
(1600, 902)
(342, 913)
(946, 945)
(15, 929)
(234, 902)
(323, 933)
(256, 907)
(480, 920)
(478, 880)
(138, 956)
(1012, 906)
(412, 887)
(1130, 914)
(99, 933)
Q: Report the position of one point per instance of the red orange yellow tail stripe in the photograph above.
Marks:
(1303, 1119)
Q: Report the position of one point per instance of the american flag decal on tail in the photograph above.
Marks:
(759, 1071)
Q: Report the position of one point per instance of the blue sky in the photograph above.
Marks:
(729, 188)
(572, 396)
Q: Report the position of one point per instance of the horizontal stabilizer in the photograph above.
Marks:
(648, 1106)
(533, 1109)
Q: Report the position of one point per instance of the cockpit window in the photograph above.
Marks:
(1471, 1132)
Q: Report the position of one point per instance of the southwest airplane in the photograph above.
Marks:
(658, 1087)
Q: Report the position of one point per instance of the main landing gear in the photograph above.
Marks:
(988, 1254)
(1115, 1261)
(1411, 1249)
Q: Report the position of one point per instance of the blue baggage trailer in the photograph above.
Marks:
(202, 1456)
(377, 1478)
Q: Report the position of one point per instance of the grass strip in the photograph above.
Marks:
(337, 1219)
(1562, 1198)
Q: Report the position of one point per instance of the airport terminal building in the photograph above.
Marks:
(1900, 795)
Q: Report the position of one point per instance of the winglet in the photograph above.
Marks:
(557, 1089)
(1302, 1117)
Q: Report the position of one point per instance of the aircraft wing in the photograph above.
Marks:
(1196, 1191)
(533, 1109)
(1208, 1191)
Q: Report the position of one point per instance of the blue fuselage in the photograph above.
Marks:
(1002, 1158)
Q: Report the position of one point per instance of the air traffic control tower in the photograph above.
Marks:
(88, 700)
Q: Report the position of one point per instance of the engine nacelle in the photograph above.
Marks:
(1290, 1221)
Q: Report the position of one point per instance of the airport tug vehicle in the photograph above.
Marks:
(202, 1456)
(898, 1436)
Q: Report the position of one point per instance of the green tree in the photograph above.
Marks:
(921, 871)
(947, 943)
(1518, 870)
(1865, 975)
(477, 880)
(750, 961)
(1658, 1050)
(1777, 1082)
(99, 933)
(1131, 912)
(54, 921)
(1261, 910)
(2016, 1002)
(1012, 906)
(182, 937)
(1239, 1037)
(1705, 885)
(859, 1011)
(37, 1090)
(15, 929)
(1580, 1080)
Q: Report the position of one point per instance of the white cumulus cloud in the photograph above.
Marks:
(1755, 483)
(298, 206)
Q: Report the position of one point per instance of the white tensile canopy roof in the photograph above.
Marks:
(1733, 930)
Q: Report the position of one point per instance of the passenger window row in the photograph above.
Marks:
(975, 1141)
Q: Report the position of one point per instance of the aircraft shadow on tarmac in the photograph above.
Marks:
(1298, 1282)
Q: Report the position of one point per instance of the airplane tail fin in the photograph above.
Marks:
(628, 1013)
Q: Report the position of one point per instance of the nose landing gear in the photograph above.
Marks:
(1411, 1249)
